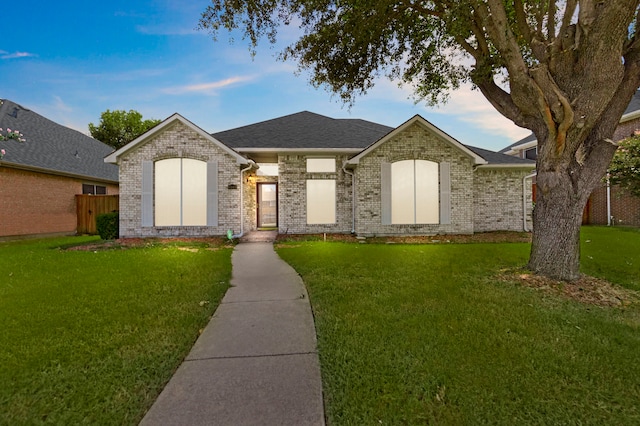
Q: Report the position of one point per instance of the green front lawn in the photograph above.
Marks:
(93, 336)
(424, 334)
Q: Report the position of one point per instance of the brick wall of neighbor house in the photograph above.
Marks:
(292, 196)
(175, 142)
(626, 129)
(625, 208)
(498, 200)
(38, 203)
(414, 143)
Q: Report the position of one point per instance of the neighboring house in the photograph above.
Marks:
(40, 177)
(606, 205)
(307, 173)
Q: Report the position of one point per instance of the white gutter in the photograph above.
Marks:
(353, 198)
(249, 167)
(608, 201)
(524, 200)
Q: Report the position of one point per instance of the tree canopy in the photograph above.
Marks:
(566, 69)
(625, 167)
(117, 128)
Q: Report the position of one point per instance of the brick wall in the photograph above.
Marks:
(498, 200)
(292, 193)
(625, 208)
(414, 143)
(34, 203)
(178, 141)
(626, 129)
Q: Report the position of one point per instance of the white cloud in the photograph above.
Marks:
(15, 55)
(472, 107)
(210, 88)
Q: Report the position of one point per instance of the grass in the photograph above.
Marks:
(93, 336)
(422, 334)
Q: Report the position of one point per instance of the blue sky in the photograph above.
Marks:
(71, 60)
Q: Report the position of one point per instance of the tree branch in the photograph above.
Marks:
(551, 20)
(521, 20)
(502, 101)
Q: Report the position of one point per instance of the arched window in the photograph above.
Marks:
(180, 192)
(415, 192)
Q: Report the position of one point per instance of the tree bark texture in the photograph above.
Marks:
(557, 217)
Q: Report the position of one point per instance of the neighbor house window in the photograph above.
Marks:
(88, 188)
(321, 201)
(531, 153)
(180, 192)
(321, 165)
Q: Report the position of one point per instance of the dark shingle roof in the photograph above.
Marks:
(304, 130)
(52, 146)
(493, 157)
(530, 138)
(634, 105)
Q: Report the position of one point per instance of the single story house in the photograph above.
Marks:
(308, 173)
(40, 178)
(607, 205)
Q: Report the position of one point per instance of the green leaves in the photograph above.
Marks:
(625, 167)
(117, 128)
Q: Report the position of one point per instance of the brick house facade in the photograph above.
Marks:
(318, 166)
(606, 206)
(39, 179)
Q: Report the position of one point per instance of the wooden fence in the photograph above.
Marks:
(88, 207)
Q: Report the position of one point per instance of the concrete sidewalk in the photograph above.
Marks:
(256, 361)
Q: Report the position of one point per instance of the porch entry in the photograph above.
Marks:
(267, 206)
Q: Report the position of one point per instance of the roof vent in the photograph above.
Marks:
(13, 114)
(76, 154)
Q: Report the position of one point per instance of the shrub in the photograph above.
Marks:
(107, 225)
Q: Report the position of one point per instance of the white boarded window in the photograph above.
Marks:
(414, 192)
(267, 169)
(180, 190)
(321, 165)
(321, 201)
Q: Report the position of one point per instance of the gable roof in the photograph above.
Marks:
(417, 119)
(142, 139)
(303, 130)
(632, 112)
(53, 148)
(497, 159)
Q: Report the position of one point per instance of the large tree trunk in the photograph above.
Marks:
(557, 217)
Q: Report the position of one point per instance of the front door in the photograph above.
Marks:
(267, 205)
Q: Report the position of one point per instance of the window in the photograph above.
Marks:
(321, 165)
(415, 192)
(267, 169)
(321, 201)
(88, 188)
(531, 153)
(180, 192)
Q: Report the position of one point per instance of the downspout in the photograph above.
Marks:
(249, 167)
(524, 200)
(353, 197)
(608, 201)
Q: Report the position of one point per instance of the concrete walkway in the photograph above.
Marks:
(256, 361)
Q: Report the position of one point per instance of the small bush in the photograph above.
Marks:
(107, 225)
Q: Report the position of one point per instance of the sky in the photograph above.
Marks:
(71, 60)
